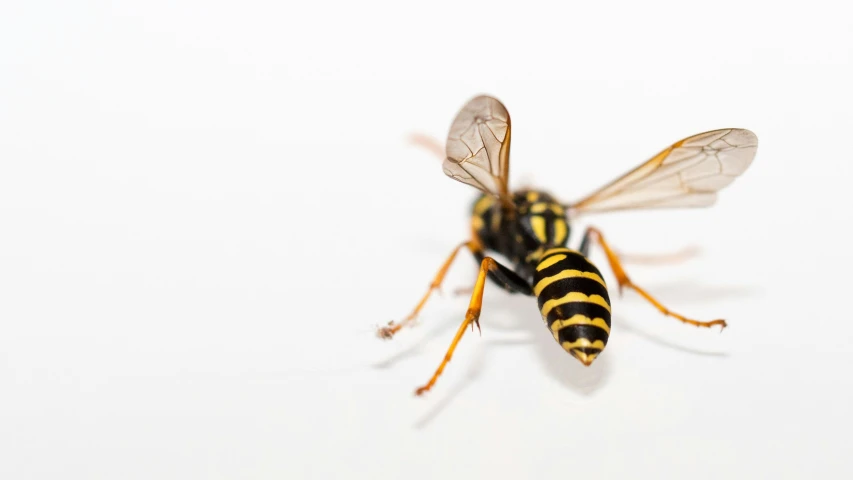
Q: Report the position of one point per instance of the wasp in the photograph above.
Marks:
(531, 227)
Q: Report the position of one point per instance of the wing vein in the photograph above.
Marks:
(686, 174)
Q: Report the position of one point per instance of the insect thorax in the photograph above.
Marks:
(539, 222)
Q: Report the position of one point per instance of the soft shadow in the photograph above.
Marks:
(523, 317)
(688, 291)
(472, 372)
(564, 368)
(560, 365)
(435, 332)
(622, 326)
(684, 292)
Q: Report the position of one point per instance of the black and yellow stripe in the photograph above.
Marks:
(573, 301)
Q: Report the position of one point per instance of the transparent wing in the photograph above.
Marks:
(687, 174)
(478, 146)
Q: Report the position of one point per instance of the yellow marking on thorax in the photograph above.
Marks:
(532, 196)
(538, 224)
(541, 207)
(496, 220)
(565, 274)
(579, 319)
(560, 230)
(574, 297)
(548, 262)
(477, 223)
(582, 343)
(538, 207)
(483, 204)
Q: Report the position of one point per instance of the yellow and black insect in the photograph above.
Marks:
(531, 228)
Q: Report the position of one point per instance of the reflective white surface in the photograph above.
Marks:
(206, 209)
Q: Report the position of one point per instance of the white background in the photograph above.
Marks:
(207, 207)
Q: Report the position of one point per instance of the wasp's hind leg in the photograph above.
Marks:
(615, 265)
(431, 144)
(505, 277)
(389, 330)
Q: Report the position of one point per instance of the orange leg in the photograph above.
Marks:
(392, 328)
(624, 281)
(429, 143)
(472, 317)
(662, 259)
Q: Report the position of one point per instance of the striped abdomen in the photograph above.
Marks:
(573, 301)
